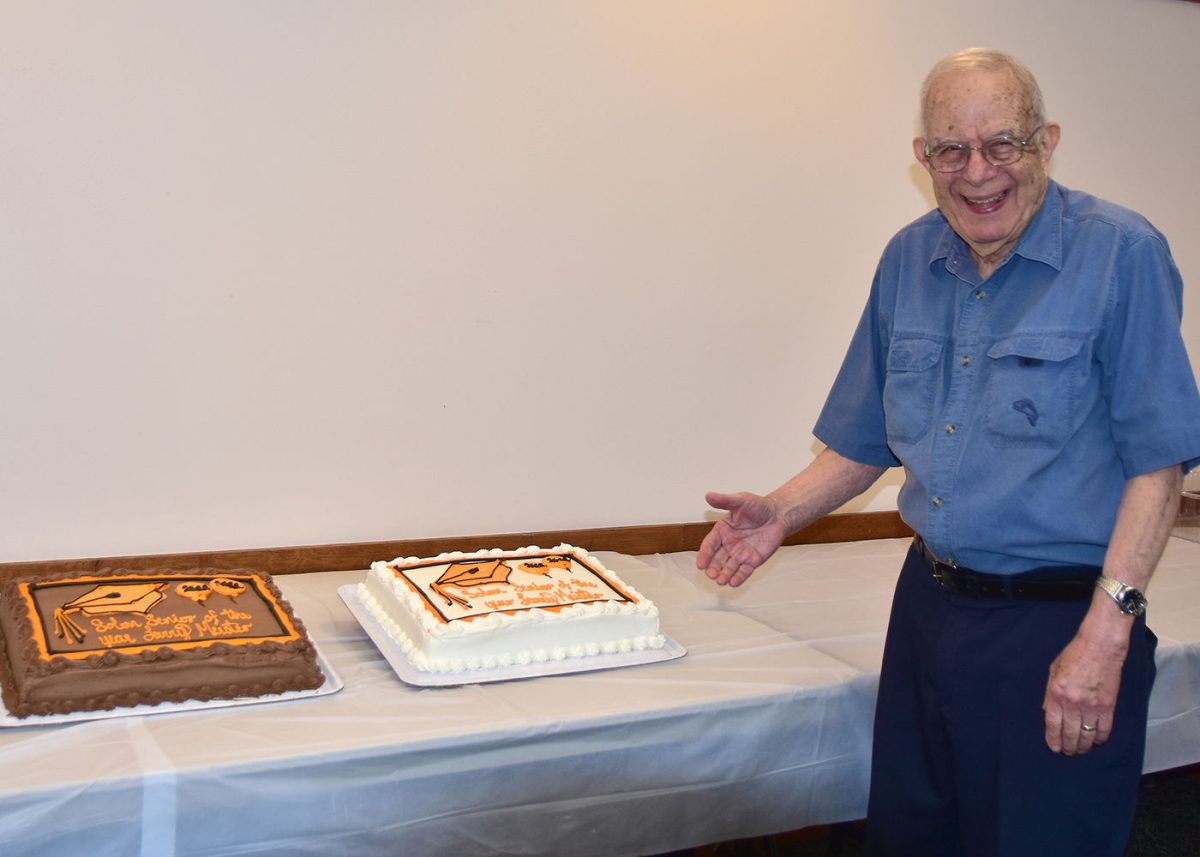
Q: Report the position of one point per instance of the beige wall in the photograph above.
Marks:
(280, 273)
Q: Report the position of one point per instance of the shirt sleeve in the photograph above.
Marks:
(1149, 382)
(852, 420)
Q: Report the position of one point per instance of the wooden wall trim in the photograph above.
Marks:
(647, 539)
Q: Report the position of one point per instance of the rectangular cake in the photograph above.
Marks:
(94, 642)
(478, 611)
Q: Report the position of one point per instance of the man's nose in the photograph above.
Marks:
(977, 168)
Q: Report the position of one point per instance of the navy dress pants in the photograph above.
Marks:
(960, 765)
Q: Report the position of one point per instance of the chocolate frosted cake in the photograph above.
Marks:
(93, 642)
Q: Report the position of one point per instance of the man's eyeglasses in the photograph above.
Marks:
(999, 151)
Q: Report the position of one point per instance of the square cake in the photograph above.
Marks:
(94, 642)
(478, 611)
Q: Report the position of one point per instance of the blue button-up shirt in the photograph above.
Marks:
(1019, 405)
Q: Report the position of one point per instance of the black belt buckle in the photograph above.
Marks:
(953, 578)
(942, 571)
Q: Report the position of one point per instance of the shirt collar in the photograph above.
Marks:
(1042, 241)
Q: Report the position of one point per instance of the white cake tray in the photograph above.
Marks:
(333, 684)
(409, 674)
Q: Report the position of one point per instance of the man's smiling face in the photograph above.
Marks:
(988, 206)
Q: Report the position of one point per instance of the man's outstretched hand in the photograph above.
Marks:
(756, 526)
(743, 540)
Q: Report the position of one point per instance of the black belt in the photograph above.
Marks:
(1071, 584)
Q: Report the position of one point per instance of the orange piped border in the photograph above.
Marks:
(44, 653)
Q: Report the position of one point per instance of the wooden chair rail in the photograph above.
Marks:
(647, 539)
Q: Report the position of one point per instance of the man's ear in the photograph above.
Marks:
(919, 151)
(1050, 137)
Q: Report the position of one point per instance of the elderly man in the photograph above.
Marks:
(1020, 357)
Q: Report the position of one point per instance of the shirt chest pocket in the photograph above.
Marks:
(908, 389)
(1033, 389)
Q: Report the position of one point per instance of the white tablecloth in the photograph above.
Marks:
(763, 726)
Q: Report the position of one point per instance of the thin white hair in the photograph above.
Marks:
(986, 59)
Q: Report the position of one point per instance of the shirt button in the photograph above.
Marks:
(980, 295)
(937, 502)
(951, 428)
(966, 361)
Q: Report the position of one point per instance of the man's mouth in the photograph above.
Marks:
(985, 205)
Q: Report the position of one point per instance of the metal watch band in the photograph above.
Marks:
(1128, 598)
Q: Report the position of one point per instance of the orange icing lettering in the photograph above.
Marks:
(114, 624)
(214, 626)
(113, 640)
(152, 620)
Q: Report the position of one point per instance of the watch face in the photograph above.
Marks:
(1132, 602)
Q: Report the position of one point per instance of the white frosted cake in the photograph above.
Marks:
(478, 611)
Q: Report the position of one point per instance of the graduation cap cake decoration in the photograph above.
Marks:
(106, 598)
(466, 575)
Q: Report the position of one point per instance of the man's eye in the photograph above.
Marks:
(1001, 149)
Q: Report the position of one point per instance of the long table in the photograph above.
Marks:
(763, 726)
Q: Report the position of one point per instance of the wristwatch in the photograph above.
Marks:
(1131, 601)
